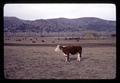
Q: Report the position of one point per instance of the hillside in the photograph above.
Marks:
(13, 24)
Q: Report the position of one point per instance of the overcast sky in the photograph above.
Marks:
(48, 11)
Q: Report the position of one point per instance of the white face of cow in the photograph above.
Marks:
(57, 48)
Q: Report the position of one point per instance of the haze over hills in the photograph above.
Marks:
(61, 25)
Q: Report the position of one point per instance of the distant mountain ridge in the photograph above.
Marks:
(13, 24)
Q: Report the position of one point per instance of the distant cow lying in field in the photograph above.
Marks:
(67, 50)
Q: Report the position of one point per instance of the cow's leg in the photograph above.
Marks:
(66, 57)
(78, 56)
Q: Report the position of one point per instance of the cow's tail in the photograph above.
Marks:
(81, 52)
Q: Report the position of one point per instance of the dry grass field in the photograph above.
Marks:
(41, 62)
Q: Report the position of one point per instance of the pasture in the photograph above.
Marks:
(42, 62)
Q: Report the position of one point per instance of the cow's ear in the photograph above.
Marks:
(60, 47)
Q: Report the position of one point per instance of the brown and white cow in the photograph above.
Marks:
(67, 50)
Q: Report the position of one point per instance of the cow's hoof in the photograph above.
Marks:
(67, 61)
(78, 60)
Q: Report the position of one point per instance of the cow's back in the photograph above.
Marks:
(72, 49)
(75, 49)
